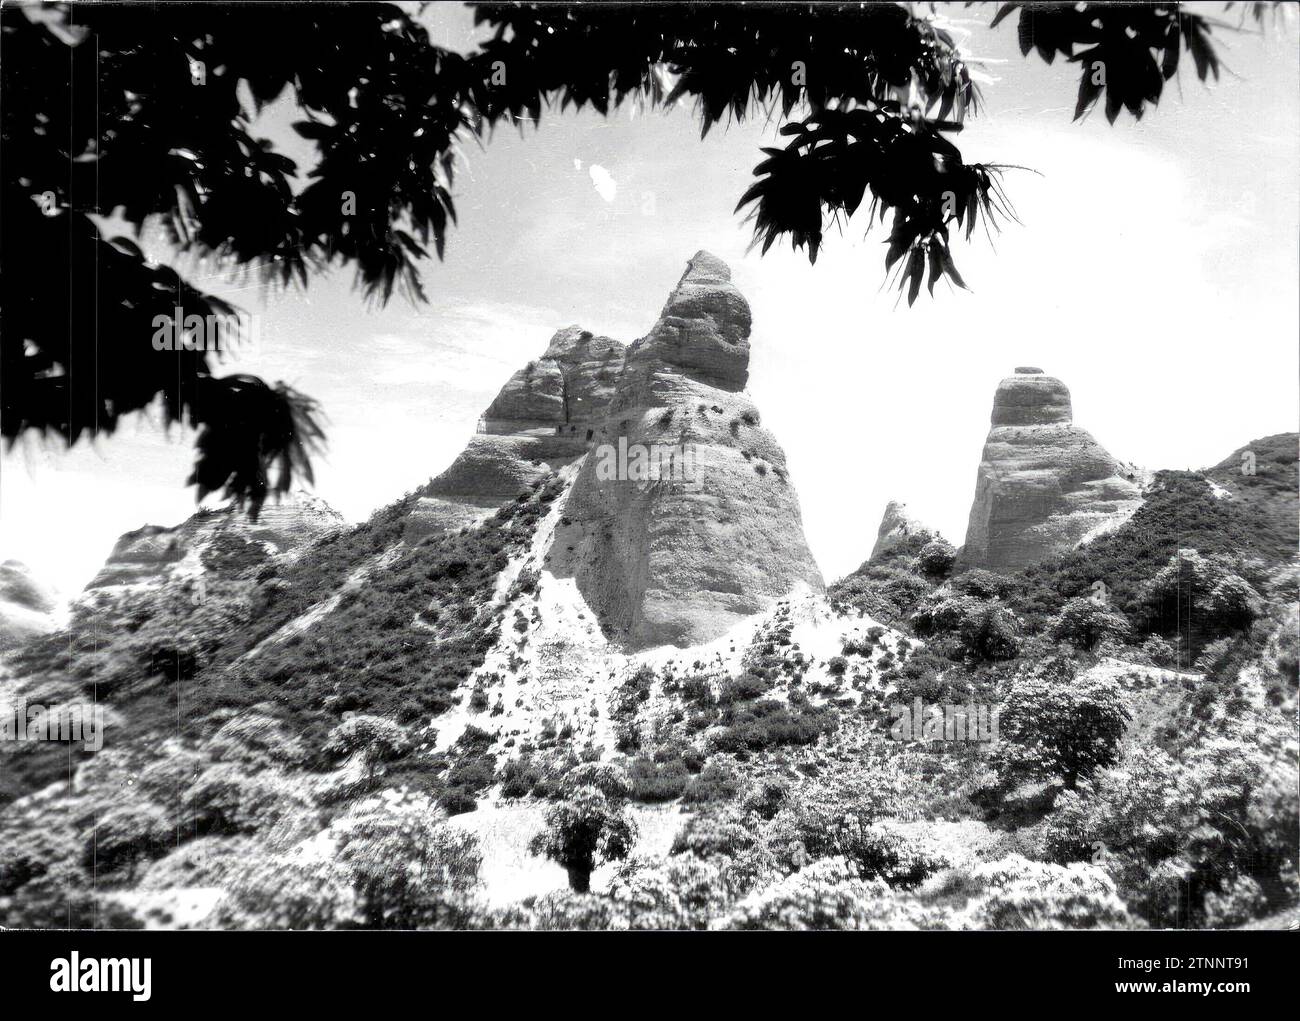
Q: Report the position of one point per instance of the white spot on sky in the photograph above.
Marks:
(606, 186)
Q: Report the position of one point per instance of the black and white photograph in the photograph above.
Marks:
(687, 467)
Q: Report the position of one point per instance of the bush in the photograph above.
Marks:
(936, 558)
(1025, 894)
(519, 778)
(882, 591)
(883, 851)
(768, 724)
(1161, 652)
(229, 798)
(125, 834)
(681, 892)
(991, 633)
(725, 832)
(825, 895)
(745, 688)
(1180, 834)
(983, 584)
(378, 738)
(408, 869)
(289, 893)
(207, 861)
(611, 780)
(1199, 598)
(655, 781)
(985, 630)
(567, 910)
(767, 798)
(717, 782)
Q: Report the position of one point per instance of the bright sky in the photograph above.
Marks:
(1156, 274)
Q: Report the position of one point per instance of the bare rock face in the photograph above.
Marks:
(543, 418)
(26, 606)
(896, 526)
(682, 518)
(1044, 484)
(702, 335)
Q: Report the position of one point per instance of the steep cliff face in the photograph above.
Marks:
(682, 518)
(1044, 484)
(543, 418)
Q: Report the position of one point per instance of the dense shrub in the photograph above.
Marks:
(377, 738)
(1198, 598)
(884, 851)
(983, 629)
(825, 895)
(657, 781)
(716, 782)
(681, 892)
(1179, 512)
(1025, 894)
(288, 892)
(408, 869)
(886, 587)
(936, 558)
(373, 653)
(766, 723)
(984, 584)
(519, 778)
(725, 832)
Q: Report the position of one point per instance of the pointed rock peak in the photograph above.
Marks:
(705, 293)
(703, 330)
(895, 526)
(705, 268)
(1031, 398)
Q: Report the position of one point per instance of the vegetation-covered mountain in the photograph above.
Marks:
(395, 726)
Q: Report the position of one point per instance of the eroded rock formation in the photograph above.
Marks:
(1044, 484)
(681, 518)
(543, 418)
(896, 525)
(714, 533)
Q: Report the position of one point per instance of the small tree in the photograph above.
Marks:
(1084, 624)
(587, 826)
(1061, 726)
(992, 632)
